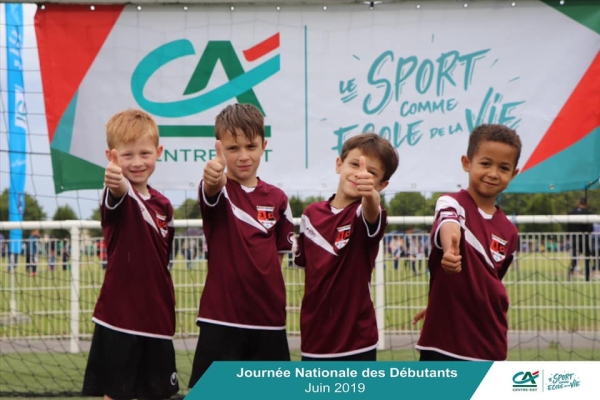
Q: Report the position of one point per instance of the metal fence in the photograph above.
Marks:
(51, 294)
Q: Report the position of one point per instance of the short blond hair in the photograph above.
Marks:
(130, 125)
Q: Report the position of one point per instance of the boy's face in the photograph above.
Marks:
(491, 169)
(242, 157)
(138, 160)
(348, 169)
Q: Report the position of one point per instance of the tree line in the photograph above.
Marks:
(400, 204)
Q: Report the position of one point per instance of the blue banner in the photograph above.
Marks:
(340, 380)
(17, 121)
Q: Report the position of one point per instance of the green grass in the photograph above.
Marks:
(26, 373)
(542, 301)
(541, 298)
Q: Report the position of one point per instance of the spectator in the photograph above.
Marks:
(596, 250)
(51, 253)
(64, 251)
(102, 253)
(397, 250)
(411, 247)
(580, 239)
(3, 246)
(31, 252)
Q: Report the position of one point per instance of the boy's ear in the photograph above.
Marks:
(159, 151)
(264, 144)
(466, 163)
(382, 185)
(338, 165)
(515, 172)
(108, 156)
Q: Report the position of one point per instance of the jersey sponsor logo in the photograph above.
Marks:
(498, 248)
(266, 216)
(162, 224)
(174, 379)
(343, 236)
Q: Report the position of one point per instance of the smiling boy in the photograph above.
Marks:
(474, 245)
(248, 227)
(132, 353)
(338, 243)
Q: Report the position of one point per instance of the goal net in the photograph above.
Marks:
(333, 73)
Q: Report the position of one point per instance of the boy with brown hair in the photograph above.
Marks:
(338, 243)
(473, 246)
(248, 227)
(132, 353)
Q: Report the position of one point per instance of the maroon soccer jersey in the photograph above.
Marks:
(338, 253)
(245, 229)
(466, 313)
(137, 294)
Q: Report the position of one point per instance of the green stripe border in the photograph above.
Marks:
(194, 131)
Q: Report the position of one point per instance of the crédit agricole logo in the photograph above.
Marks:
(240, 83)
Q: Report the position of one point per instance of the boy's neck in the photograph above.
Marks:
(249, 183)
(339, 201)
(486, 204)
(142, 189)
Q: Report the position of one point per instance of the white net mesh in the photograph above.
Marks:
(551, 317)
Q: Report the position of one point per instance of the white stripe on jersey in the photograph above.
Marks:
(288, 213)
(450, 202)
(476, 244)
(143, 209)
(205, 200)
(243, 215)
(314, 236)
(436, 236)
(105, 200)
(359, 213)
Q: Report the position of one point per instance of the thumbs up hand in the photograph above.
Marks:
(364, 179)
(113, 175)
(451, 260)
(214, 172)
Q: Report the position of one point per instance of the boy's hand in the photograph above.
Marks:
(419, 316)
(451, 261)
(113, 174)
(214, 171)
(364, 179)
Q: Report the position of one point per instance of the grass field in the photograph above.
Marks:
(542, 301)
(541, 297)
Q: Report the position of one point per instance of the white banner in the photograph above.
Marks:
(421, 77)
(540, 380)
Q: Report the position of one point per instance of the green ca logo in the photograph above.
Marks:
(525, 379)
(240, 83)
